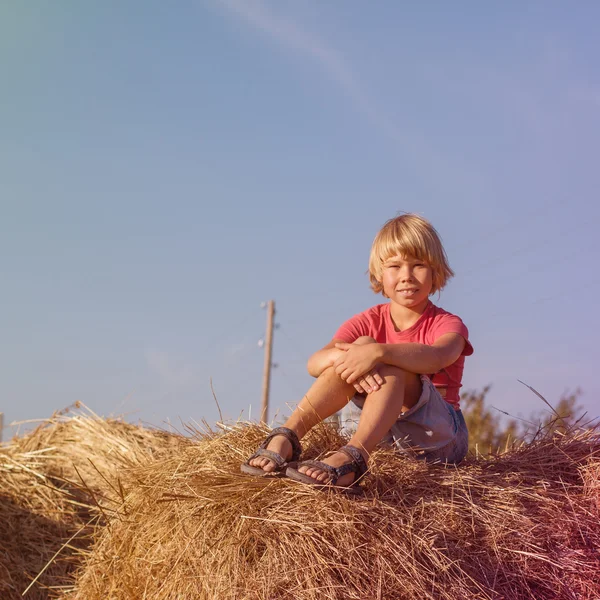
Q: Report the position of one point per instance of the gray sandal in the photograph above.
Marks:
(280, 462)
(357, 465)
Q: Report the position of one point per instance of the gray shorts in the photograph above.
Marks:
(432, 430)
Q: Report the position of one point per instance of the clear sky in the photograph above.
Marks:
(165, 168)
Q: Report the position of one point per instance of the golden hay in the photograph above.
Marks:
(173, 518)
(56, 485)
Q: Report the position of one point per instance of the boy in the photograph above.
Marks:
(401, 363)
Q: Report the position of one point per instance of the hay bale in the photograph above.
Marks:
(105, 509)
(57, 485)
(520, 525)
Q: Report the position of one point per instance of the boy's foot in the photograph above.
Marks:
(335, 460)
(279, 444)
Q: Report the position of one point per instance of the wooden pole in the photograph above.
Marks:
(267, 369)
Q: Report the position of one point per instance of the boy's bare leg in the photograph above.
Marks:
(381, 409)
(326, 396)
(400, 391)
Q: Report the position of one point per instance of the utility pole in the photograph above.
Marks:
(268, 353)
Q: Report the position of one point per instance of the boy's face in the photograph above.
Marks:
(407, 281)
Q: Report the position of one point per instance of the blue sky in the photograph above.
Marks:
(164, 170)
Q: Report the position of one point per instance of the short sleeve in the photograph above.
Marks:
(452, 324)
(353, 328)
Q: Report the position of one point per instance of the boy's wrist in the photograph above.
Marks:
(386, 351)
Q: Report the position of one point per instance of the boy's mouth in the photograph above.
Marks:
(408, 292)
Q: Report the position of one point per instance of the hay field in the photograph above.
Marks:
(94, 508)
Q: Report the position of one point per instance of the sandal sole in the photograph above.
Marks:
(258, 472)
(351, 490)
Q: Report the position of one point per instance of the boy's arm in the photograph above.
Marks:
(422, 358)
(324, 358)
(416, 358)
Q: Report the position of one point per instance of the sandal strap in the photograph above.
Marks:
(317, 464)
(357, 459)
(290, 436)
(274, 456)
(337, 472)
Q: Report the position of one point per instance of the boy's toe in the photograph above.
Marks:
(262, 463)
(268, 465)
(316, 474)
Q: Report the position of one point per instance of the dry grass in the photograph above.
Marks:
(57, 486)
(167, 517)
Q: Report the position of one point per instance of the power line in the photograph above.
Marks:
(212, 345)
(302, 359)
(289, 383)
(517, 252)
(544, 299)
(519, 219)
(539, 268)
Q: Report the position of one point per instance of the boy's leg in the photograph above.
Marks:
(401, 390)
(326, 396)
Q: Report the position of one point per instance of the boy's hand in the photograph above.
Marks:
(356, 364)
(369, 382)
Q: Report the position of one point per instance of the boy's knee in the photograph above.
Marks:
(329, 373)
(396, 373)
(391, 370)
(365, 339)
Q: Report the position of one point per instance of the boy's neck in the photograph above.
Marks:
(405, 317)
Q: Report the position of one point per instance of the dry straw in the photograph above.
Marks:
(170, 517)
(58, 485)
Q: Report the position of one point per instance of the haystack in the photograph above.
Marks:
(181, 522)
(56, 491)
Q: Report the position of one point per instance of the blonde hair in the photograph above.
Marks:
(411, 236)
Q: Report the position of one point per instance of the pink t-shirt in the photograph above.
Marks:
(377, 323)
